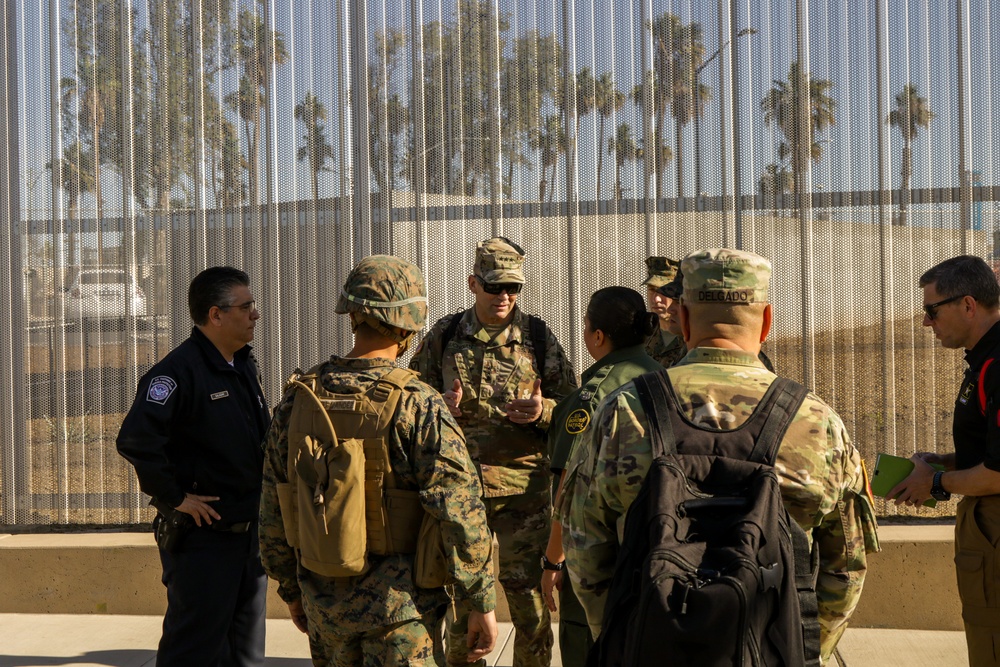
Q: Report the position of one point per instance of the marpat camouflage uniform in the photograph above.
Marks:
(665, 347)
(512, 457)
(381, 618)
(822, 476)
(427, 453)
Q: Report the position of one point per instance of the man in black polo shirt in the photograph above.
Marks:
(194, 436)
(962, 306)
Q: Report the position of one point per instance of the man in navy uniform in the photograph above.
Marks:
(194, 435)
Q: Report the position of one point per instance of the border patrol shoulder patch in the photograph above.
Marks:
(577, 421)
(160, 389)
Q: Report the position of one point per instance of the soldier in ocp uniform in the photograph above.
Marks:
(381, 616)
(614, 328)
(502, 372)
(665, 344)
(672, 291)
(719, 383)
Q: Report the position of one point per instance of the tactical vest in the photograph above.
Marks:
(342, 500)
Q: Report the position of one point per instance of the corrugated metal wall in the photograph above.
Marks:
(851, 143)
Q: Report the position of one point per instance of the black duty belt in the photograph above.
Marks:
(238, 527)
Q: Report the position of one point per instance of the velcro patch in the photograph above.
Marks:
(160, 389)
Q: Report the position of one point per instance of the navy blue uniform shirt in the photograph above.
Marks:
(197, 426)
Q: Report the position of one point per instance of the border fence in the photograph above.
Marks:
(850, 143)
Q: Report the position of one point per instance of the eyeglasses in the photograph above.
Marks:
(513, 289)
(931, 308)
(245, 307)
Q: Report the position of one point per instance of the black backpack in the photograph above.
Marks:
(712, 569)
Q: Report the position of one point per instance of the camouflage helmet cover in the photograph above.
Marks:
(388, 289)
(724, 276)
(675, 288)
(660, 271)
(499, 260)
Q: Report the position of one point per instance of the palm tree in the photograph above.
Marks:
(317, 147)
(586, 95)
(911, 114)
(678, 52)
(776, 179)
(550, 142)
(625, 149)
(608, 100)
(94, 92)
(259, 49)
(781, 106)
(77, 175)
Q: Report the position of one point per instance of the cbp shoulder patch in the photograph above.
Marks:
(160, 389)
(577, 421)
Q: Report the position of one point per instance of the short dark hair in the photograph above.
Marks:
(211, 287)
(621, 314)
(964, 275)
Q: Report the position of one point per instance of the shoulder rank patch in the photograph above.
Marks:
(160, 389)
(577, 421)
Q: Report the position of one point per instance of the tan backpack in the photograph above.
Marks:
(342, 500)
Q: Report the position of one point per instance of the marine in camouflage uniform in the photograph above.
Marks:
(489, 372)
(662, 345)
(381, 617)
(821, 475)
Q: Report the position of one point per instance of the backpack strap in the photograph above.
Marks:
(982, 381)
(656, 398)
(537, 332)
(781, 402)
(449, 331)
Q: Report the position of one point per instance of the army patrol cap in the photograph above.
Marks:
(499, 260)
(675, 288)
(387, 289)
(724, 276)
(661, 271)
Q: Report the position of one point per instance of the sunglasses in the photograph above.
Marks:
(512, 289)
(931, 308)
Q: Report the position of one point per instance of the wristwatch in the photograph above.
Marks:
(937, 491)
(555, 567)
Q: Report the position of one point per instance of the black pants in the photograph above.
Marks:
(216, 596)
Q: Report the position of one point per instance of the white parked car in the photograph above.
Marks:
(105, 294)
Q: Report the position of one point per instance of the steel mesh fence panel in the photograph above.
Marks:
(850, 143)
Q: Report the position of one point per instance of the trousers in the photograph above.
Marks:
(521, 526)
(977, 532)
(216, 598)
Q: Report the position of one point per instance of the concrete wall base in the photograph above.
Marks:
(910, 584)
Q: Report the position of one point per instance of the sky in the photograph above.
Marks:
(842, 43)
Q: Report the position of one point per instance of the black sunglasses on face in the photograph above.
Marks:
(513, 289)
(931, 308)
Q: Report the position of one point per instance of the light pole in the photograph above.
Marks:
(696, 96)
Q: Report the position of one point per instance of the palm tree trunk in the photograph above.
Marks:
(678, 156)
(600, 156)
(906, 172)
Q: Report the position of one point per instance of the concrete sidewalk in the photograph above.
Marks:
(46, 640)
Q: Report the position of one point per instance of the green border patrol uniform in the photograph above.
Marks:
(570, 422)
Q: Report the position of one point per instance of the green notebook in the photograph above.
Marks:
(891, 470)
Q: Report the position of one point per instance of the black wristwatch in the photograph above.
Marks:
(937, 491)
(555, 567)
